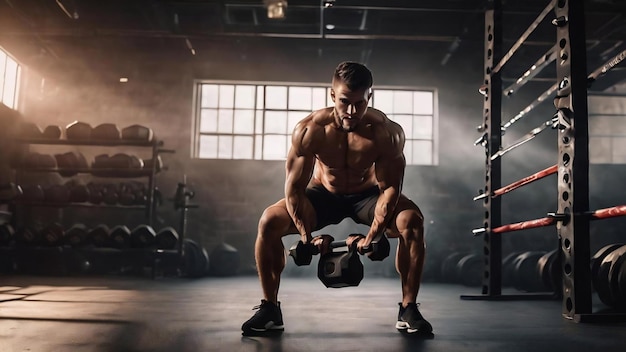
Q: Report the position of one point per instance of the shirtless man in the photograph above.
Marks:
(345, 161)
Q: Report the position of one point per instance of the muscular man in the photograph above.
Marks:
(345, 161)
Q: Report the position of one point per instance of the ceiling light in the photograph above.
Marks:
(275, 8)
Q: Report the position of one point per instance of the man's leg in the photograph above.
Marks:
(270, 260)
(408, 226)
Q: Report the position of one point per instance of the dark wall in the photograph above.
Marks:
(233, 194)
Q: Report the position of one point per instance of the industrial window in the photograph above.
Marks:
(9, 80)
(255, 121)
(607, 128)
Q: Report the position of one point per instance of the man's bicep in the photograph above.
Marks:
(299, 167)
(390, 171)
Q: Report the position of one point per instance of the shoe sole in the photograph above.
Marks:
(405, 328)
(270, 329)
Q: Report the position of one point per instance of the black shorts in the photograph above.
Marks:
(334, 208)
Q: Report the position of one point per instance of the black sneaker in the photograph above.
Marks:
(411, 321)
(267, 320)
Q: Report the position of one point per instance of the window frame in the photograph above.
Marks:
(196, 133)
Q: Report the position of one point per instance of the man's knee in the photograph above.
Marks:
(274, 220)
(410, 222)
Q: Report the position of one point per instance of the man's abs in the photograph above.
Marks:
(343, 180)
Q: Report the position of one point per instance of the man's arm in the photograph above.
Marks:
(299, 168)
(389, 168)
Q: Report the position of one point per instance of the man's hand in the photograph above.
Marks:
(322, 242)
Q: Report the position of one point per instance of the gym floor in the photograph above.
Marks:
(40, 313)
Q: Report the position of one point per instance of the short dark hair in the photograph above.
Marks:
(354, 75)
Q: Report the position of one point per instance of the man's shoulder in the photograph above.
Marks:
(317, 119)
(381, 122)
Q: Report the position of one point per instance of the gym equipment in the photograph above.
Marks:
(550, 272)
(120, 237)
(137, 132)
(99, 236)
(302, 254)
(224, 260)
(526, 277)
(52, 235)
(78, 131)
(6, 234)
(77, 235)
(142, 236)
(52, 132)
(70, 163)
(30, 130)
(32, 193)
(109, 194)
(195, 259)
(95, 193)
(106, 131)
(79, 193)
(9, 191)
(167, 238)
(57, 194)
(469, 270)
(597, 259)
(148, 163)
(508, 268)
(27, 237)
(449, 267)
(607, 278)
(340, 269)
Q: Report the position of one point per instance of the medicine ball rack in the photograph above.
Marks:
(143, 256)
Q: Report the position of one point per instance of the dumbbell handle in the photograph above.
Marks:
(339, 244)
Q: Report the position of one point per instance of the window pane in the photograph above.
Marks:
(258, 123)
(619, 150)
(274, 147)
(243, 147)
(319, 98)
(208, 147)
(276, 122)
(225, 121)
(406, 121)
(293, 118)
(225, 146)
(600, 125)
(276, 97)
(209, 95)
(260, 97)
(329, 99)
(10, 83)
(423, 127)
(408, 152)
(3, 62)
(422, 153)
(402, 102)
(227, 96)
(600, 150)
(423, 103)
(244, 121)
(208, 120)
(383, 101)
(258, 141)
(300, 98)
(244, 97)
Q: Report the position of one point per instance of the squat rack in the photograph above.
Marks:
(572, 218)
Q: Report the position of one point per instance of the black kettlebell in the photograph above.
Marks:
(340, 269)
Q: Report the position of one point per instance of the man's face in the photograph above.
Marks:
(350, 106)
